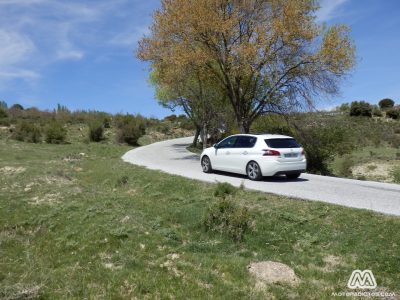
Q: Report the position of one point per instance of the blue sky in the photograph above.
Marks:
(80, 53)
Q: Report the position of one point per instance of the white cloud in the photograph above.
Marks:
(19, 74)
(14, 48)
(329, 9)
(130, 37)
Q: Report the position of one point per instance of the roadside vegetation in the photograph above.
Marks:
(78, 222)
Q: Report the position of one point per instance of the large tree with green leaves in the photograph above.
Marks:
(266, 55)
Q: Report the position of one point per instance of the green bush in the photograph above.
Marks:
(55, 133)
(396, 175)
(131, 130)
(376, 112)
(362, 109)
(321, 144)
(96, 131)
(224, 189)
(27, 132)
(393, 114)
(226, 218)
(386, 103)
(3, 113)
(345, 166)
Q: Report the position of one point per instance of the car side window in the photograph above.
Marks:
(245, 142)
(228, 143)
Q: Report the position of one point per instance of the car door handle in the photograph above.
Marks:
(245, 153)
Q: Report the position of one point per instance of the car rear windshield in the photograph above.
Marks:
(282, 143)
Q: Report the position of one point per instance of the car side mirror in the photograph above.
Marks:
(215, 146)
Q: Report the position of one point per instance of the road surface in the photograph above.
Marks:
(172, 157)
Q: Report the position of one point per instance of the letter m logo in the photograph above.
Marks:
(361, 280)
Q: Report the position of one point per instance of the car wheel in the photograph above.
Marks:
(206, 164)
(253, 171)
(293, 176)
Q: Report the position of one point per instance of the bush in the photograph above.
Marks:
(224, 189)
(376, 112)
(362, 109)
(130, 130)
(396, 175)
(55, 133)
(3, 113)
(225, 217)
(27, 132)
(345, 167)
(96, 131)
(386, 103)
(321, 144)
(393, 114)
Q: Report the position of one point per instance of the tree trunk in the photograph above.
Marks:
(196, 136)
(204, 136)
(244, 126)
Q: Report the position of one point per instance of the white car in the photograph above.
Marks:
(256, 156)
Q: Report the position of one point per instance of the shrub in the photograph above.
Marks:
(131, 130)
(321, 144)
(3, 113)
(224, 189)
(96, 131)
(17, 107)
(376, 112)
(361, 108)
(396, 174)
(225, 217)
(55, 133)
(27, 132)
(386, 103)
(345, 166)
(393, 114)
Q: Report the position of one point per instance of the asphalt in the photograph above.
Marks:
(172, 157)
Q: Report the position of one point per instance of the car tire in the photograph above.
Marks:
(293, 176)
(253, 171)
(206, 164)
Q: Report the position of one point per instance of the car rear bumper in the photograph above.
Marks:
(272, 168)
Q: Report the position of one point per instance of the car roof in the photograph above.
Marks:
(267, 136)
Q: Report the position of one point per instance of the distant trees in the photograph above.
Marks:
(260, 56)
(360, 108)
(3, 104)
(393, 114)
(386, 103)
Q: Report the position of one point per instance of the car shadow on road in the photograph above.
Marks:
(277, 179)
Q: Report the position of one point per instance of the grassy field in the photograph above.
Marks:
(77, 222)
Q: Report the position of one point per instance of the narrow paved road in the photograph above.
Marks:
(172, 157)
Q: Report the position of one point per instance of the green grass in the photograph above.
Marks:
(76, 225)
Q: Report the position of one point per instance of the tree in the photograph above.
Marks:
(200, 99)
(361, 108)
(3, 105)
(393, 114)
(386, 103)
(267, 56)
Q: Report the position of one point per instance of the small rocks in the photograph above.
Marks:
(269, 272)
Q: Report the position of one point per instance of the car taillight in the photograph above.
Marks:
(302, 152)
(268, 152)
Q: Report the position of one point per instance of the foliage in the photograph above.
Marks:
(386, 103)
(3, 104)
(27, 132)
(396, 174)
(345, 167)
(55, 133)
(224, 189)
(96, 131)
(360, 108)
(17, 107)
(3, 113)
(393, 113)
(376, 112)
(130, 129)
(260, 64)
(227, 218)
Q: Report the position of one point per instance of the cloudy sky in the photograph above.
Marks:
(80, 53)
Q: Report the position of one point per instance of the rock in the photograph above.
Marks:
(270, 272)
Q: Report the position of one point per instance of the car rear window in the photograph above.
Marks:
(282, 143)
